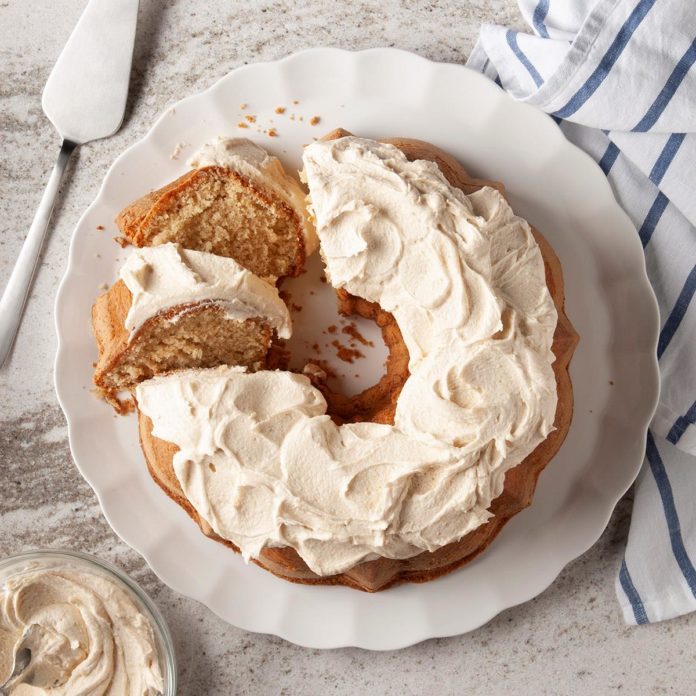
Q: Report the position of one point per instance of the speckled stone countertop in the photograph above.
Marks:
(570, 640)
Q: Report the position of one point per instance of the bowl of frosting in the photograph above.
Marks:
(71, 623)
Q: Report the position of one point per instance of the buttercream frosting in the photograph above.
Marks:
(87, 636)
(258, 166)
(264, 465)
(166, 276)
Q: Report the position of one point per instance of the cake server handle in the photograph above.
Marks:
(15, 296)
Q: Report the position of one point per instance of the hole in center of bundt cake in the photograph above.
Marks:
(350, 348)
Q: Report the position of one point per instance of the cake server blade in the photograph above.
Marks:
(85, 99)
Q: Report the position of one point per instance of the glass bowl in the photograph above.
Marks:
(45, 559)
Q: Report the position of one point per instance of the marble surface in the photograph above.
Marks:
(569, 640)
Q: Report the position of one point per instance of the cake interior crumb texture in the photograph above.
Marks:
(200, 338)
(214, 210)
(184, 337)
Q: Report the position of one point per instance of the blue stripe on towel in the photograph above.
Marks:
(608, 158)
(666, 156)
(652, 218)
(677, 314)
(665, 488)
(608, 59)
(540, 12)
(632, 594)
(681, 424)
(511, 37)
(667, 92)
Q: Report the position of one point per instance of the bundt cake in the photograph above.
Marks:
(174, 308)
(481, 404)
(238, 202)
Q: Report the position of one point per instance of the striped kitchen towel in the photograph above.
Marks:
(619, 78)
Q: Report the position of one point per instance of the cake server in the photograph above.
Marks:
(85, 99)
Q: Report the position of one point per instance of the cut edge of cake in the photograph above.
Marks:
(197, 334)
(217, 210)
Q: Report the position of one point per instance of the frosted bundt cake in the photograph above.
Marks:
(174, 308)
(237, 201)
(484, 403)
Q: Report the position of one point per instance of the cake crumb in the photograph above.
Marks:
(314, 371)
(242, 124)
(251, 118)
(352, 331)
(314, 120)
(300, 118)
(346, 354)
(325, 367)
(280, 109)
(243, 106)
(332, 329)
(122, 242)
(211, 466)
(295, 307)
(177, 150)
(611, 382)
(103, 286)
(101, 227)
(272, 133)
(294, 101)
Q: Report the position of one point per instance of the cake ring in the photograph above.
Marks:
(416, 476)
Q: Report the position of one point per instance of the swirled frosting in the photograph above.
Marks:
(87, 636)
(264, 465)
(167, 276)
(255, 164)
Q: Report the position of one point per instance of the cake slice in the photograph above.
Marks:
(175, 308)
(238, 202)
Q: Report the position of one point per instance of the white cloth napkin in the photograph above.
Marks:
(619, 77)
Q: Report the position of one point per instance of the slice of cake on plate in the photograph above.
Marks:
(175, 308)
(238, 202)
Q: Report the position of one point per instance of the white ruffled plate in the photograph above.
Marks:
(382, 93)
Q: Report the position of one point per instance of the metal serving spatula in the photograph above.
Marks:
(85, 99)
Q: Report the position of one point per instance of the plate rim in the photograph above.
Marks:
(554, 568)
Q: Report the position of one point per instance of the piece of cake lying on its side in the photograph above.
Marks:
(174, 308)
(238, 202)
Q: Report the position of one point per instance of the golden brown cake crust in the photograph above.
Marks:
(376, 404)
(520, 482)
(108, 317)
